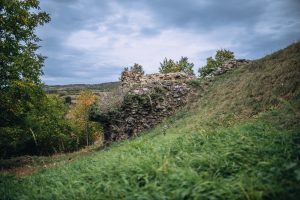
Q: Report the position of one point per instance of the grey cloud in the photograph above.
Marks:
(150, 32)
(63, 1)
(205, 15)
(280, 19)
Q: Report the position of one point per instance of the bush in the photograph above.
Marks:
(68, 100)
(43, 130)
(50, 130)
(221, 56)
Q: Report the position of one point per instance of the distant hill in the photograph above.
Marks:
(74, 89)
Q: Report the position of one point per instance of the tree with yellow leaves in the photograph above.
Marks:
(81, 111)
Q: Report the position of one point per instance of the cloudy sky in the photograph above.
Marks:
(91, 41)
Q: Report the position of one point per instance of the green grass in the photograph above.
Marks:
(258, 159)
(239, 140)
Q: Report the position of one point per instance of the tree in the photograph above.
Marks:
(221, 56)
(137, 69)
(81, 112)
(19, 60)
(185, 66)
(20, 64)
(21, 94)
(169, 66)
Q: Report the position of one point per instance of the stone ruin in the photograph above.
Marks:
(149, 99)
(129, 79)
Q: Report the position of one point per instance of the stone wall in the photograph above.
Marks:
(129, 79)
(148, 100)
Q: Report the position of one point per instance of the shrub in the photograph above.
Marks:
(50, 130)
(68, 100)
(43, 130)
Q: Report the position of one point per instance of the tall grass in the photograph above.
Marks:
(250, 160)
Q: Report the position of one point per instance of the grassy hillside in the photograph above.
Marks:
(239, 140)
(254, 88)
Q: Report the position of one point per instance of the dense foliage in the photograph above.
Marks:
(183, 65)
(30, 122)
(42, 129)
(20, 65)
(46, 130)
(221, 56)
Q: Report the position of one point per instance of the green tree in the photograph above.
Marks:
(169, 66)
(136, 68)
(221, 56)
(21, 94)
(20, 64)
(185, 66)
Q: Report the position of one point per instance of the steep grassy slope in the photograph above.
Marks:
(239, 140)
(254, 88)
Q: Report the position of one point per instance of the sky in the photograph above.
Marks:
(91, 41)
